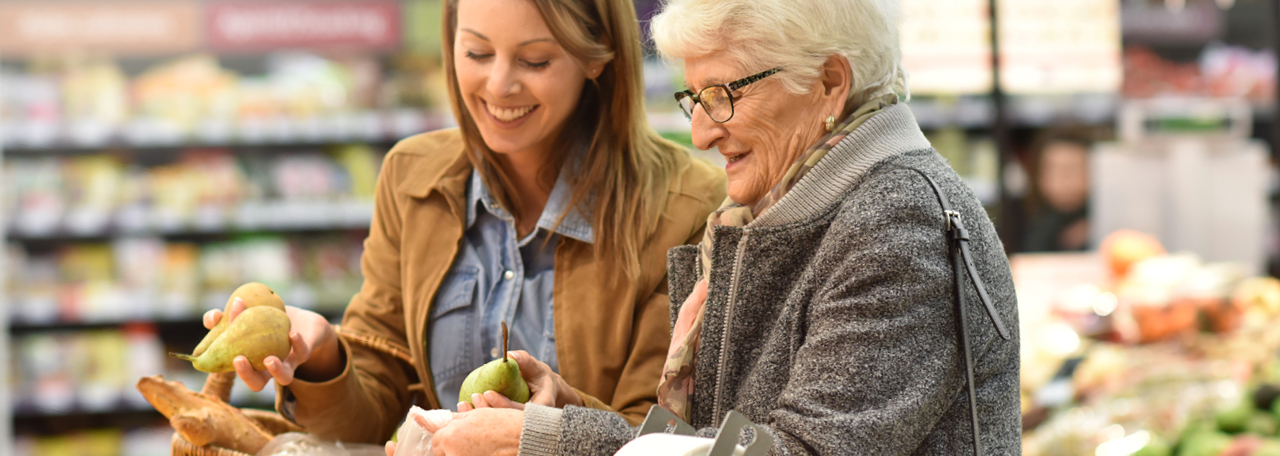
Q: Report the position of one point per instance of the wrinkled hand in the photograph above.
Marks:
(545, 386)
(484, 431)
(314, 352)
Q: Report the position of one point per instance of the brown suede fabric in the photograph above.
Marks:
(611, 335)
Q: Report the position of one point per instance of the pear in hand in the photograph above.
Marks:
(257, 333)
(253, 294)
(500, 375)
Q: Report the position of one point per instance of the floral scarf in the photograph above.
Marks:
(676, 385)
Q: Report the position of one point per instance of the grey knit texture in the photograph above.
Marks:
(543, 435)
(832, 322)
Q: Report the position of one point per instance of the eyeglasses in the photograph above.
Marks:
(717, 100)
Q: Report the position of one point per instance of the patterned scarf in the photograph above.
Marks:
(676, 385)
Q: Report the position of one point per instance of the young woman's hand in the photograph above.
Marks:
(545, 386)
(314, 353)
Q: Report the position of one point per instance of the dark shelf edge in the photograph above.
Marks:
(12, 236)
(328, 311)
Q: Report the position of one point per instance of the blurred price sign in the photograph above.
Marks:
(946, 46)
(1054, 46)
(116, 27)
(255, 25)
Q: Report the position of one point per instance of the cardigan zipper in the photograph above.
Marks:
(728, 316)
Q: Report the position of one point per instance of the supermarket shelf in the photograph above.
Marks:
(965, 112)
(142, 411)
(368, 126)
(29, 327)
(186, 326)
(32, 412)
(292, 216)
(44, 422)
(34, 137)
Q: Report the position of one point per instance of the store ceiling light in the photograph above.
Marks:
(1226, 4)
(1175, 5)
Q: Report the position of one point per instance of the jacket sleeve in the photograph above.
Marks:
(368, 399)
(637, 386)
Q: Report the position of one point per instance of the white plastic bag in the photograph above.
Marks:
(298, 444)
(672, 445)
(413, 439)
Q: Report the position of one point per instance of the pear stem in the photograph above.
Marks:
(504, 341)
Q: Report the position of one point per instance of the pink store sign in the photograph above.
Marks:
(248, 26)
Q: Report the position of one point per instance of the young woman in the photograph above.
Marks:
(551, 207)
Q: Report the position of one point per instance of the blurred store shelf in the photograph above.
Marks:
(167, 324)
(207, 220)
(359, 126)
(1023, 110)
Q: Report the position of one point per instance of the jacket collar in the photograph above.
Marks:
(575, 224)
(890, 132)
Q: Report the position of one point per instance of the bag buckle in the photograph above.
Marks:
(949, 214)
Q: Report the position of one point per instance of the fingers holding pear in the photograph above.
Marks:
(256, 333)
(252, 294)
(501, 375)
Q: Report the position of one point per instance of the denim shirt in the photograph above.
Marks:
(497, 277)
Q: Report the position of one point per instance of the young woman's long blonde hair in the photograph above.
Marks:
(622, 179)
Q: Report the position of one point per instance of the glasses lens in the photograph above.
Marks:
(686, 104)
(715, 100)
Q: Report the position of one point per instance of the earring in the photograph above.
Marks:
(831, 123)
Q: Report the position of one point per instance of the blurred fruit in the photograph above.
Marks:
(1204, 443)
(1258, 293)
(1269, 447)
(1261, 423)
(1123, 248)
(1244, 445)
(1156, 447)
(1235, 419)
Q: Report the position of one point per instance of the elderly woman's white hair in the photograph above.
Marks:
(798, 35)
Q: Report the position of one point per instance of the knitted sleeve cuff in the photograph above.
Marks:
(541, 433)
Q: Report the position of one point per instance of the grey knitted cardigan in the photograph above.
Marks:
(830, 318)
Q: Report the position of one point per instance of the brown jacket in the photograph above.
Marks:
(611, 335)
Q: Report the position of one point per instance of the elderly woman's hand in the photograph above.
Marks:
(486, 431)
(547, 388)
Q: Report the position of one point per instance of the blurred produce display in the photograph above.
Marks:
(1221, 71)
(201, 190)
(1158, 354)
(147, 278)
(295, 97)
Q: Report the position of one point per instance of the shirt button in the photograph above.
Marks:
(509, 275)
(494, 353)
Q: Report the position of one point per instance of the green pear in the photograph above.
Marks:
(500, 375)
(254, 294)
(257, 333)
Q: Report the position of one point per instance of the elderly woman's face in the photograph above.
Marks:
(769, 130)
(518, 83)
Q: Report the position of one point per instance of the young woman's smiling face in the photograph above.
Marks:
(517, 81)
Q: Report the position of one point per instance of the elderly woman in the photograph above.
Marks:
(823, 302)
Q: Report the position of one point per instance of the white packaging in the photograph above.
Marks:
(413, 439)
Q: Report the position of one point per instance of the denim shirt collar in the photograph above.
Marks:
(575, 224)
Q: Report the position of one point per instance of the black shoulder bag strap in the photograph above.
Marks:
(958, 251)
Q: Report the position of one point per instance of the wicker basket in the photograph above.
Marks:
(219, 386)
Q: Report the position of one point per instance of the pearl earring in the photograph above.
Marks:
(831, 123)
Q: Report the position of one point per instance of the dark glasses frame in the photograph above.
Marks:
(728, 88)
